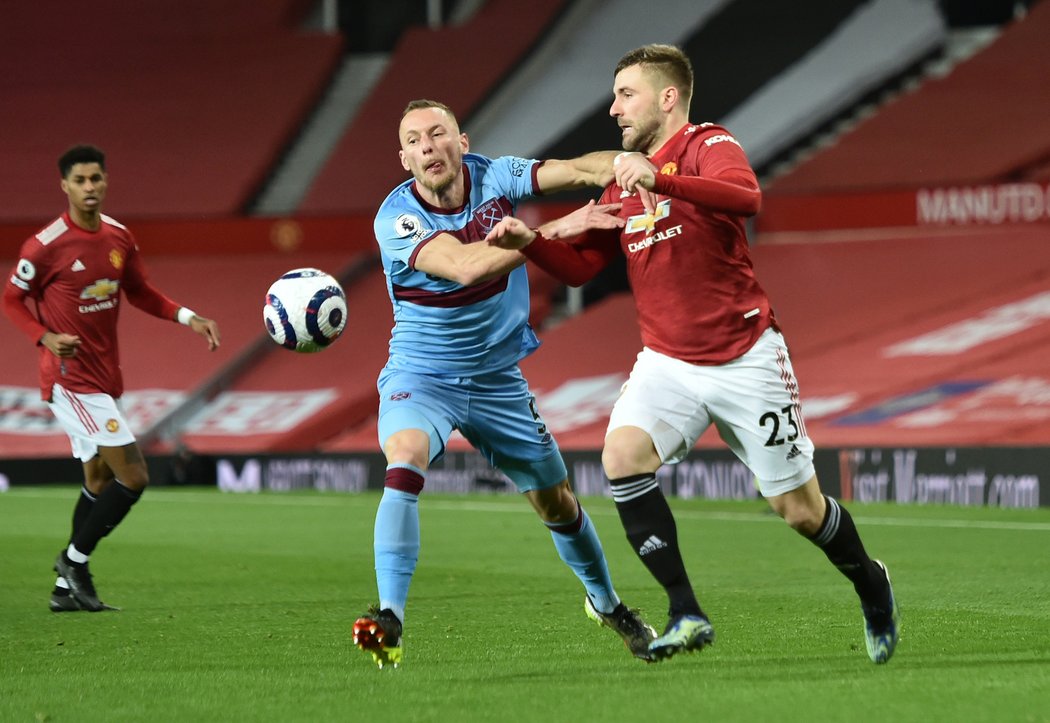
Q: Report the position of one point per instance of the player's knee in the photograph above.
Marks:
(135, 478)
(801, 518)
(96, 485)
(407, 447)
(628, 451)
(555, 505)
(620, 461)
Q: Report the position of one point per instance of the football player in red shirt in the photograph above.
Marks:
(75, 271)
(713, 353)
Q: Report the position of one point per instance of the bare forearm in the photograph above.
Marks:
(591, 169)
(491, 265)
(470, 264)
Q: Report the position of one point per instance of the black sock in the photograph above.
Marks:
(840, 541)
(85, 503)
(82, 510)
(652, 532)
(110, 508)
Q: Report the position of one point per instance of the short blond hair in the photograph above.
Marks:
(421, 103)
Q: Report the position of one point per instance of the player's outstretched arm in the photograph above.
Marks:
(592, 215)
(573, 263)
(591, 169)
(512, 233)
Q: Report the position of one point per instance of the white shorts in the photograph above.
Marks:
(91, 421)
(753, 402)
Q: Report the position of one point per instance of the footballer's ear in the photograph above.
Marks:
(464, 142)
(404, 161)
(668, 98)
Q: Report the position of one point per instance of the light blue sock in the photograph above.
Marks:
(396, 548)
(582, 551)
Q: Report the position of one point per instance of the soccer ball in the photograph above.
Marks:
(305, 310)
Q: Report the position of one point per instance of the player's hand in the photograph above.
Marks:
(510, 233)
(648, 199)
(64, 346)
(634, 171)
(585, 218)
(208, 329)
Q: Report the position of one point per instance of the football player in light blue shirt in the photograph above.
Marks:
(461, 311)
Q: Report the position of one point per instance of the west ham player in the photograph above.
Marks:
(75, 271)
(713, 351)
(460, 328)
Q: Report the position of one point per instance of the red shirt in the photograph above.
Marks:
(76, 277)
(688, 264)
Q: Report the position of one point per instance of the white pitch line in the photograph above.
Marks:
(759, 517)
(523, 507)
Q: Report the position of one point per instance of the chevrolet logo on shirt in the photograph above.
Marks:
(100, 290)
(647, 221)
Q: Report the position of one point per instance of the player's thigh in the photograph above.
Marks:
(505, 425)
(97, 475)
(421, 402)
(90, 420)
(629, 451)
(128, 465)
(755, 405)
(664, 398)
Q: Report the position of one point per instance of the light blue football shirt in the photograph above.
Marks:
(440, 326)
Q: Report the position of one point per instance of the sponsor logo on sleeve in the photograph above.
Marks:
(518, 166)
(408, 224)
(720, 138)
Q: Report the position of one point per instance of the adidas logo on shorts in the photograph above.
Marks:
(793, 452)
(653, 544)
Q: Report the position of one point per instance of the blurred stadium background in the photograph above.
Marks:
(904, 238)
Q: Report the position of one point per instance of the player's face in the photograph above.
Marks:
(636, 108)
(85, 184)
(432, 148)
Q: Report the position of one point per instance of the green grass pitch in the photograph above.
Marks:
(238, 608)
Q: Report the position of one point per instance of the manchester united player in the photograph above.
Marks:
(713, 352)
(75, 271)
